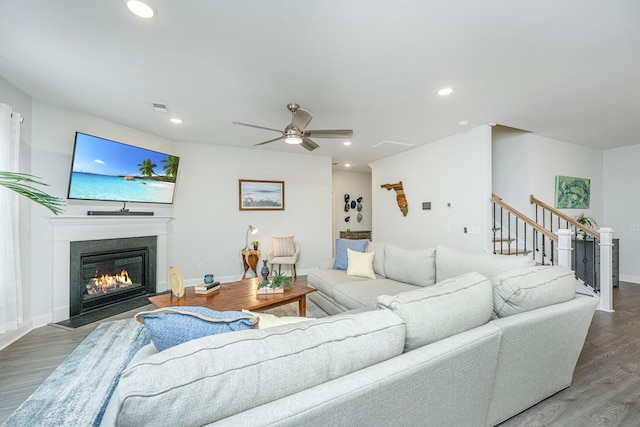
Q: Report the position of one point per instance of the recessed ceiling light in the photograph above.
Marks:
(141, 8)
(444, 91)
(463, 123)
(347, 165)
(176, 120)
(347, 143)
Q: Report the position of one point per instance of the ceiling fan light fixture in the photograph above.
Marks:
(293, 139)
(141, 8)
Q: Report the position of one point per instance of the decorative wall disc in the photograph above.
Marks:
(353, 204)
(347, 218)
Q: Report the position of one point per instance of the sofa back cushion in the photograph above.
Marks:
(444, 309)
(222, 375)
(412, 266)
(452, 262)
(378, 258)
(525, 289)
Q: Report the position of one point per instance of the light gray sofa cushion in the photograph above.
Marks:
(354, 295)
(413, 266)
(525, 289)
(378, 259)
(326, 280)
(233, 372)
(444, 309)
(452, 262)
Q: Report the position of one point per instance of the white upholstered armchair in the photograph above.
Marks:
(285, 251)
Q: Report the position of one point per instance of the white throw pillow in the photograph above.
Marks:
(268, 320)
(283, 246)
(360, 264)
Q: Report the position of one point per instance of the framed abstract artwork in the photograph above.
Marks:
(257, 195)
(572, 193)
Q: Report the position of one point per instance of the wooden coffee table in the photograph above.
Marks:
(237, 296)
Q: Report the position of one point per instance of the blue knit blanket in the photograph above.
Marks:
(78, 391)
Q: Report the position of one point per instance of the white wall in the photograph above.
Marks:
(454, 170)
(208, 227)
(549, 157)
(510, 167)
(622, 206)
(355, 184)
(525, 164)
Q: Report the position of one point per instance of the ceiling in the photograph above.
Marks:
(568, 70)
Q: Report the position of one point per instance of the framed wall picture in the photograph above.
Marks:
(572, 193)
(257, 195)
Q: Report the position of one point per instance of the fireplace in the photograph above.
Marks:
(109, 271)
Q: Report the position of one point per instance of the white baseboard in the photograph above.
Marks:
(10, 337)
(631, 279)
(43, 320)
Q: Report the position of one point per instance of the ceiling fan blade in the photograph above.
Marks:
(271, 140)
(309, 144)
(335, 133)
(257, 127)
(301, 119)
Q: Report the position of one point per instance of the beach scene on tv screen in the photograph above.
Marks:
(108, 170)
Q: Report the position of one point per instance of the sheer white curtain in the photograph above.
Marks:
(10, 277)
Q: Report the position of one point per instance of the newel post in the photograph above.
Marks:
(564, 248)
(606, 269)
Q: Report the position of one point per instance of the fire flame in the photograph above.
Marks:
(105, 281)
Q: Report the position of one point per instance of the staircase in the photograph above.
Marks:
(516, 234)
(549, 239)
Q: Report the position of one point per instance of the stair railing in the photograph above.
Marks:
(597, 275)
(516, 234)
(561, 220)
(586, 265)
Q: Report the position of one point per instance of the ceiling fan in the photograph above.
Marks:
(296, 133)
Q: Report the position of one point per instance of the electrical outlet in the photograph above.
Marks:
(634, 227)
(200, 266)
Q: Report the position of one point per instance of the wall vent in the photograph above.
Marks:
(393, 145)
(160, 108)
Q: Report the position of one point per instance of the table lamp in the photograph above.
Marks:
(251, 230)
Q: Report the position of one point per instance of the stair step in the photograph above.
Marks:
(504, 240)
(513, 252)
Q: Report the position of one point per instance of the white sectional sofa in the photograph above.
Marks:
(468, 349)
(398, 270)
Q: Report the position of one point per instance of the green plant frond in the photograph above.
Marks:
(21, 183)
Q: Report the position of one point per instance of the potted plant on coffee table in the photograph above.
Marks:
(277, 285)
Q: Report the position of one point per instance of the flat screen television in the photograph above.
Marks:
(107, 170)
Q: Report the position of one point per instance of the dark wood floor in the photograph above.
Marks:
(605, 389)
(606, 382)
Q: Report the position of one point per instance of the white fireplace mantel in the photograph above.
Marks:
(67, 229)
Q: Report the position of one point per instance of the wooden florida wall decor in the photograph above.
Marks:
(400, 198)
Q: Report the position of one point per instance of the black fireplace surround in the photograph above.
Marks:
(136, 256)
